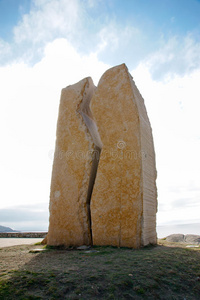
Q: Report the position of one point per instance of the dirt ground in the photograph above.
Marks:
(8, 242)
(161, 272)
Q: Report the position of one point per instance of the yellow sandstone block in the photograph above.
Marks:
(124, 199)
(103, 189)
(69, 222)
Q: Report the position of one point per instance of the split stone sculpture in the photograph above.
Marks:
(103, 189)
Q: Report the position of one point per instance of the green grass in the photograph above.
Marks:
(109, 273)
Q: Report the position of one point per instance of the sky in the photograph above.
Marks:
(46, 45)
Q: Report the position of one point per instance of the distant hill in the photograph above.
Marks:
(6, 229)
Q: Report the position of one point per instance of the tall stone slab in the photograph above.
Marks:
(124, 199)
(103, 188)
(69, 222)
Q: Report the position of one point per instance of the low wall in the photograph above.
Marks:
(23, 234)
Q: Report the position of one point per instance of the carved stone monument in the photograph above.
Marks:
(103, 189)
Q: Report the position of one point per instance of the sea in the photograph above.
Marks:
(162, 230)
(165, 230)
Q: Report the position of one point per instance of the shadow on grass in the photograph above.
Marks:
(107, 273)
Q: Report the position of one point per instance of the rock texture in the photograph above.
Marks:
(124, 199)
(192, 239)
(103, 189)
(69, 222)
(181, 238)
(175, 238)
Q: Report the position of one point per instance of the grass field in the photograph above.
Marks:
(155, 272)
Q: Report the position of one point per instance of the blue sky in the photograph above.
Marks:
(10, 13)
(46, 45)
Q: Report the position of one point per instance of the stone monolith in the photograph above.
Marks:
(124, 199)
(77, 137)
(103, 189)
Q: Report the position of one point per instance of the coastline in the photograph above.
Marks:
(165, 230)
(162, 231)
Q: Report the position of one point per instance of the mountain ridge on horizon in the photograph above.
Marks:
(6, 229)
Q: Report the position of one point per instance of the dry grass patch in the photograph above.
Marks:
(159, 272)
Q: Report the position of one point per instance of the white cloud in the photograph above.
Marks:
(5, 50)
(92, 3)
(47, 20)
(30, 217)
(69, 19)
(30, 98)
(62, 57)
(28, 115)
(173, 108)
(178, 55)
(112, 37)
(116, 43)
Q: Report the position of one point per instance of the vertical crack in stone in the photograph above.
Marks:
(88, 203)
(85, 112)
(95, 163)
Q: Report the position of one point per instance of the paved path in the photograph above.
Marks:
(7, 242)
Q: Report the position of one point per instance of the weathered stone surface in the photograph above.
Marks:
(181, 238)
(175, 238)
(124, 199)
(69, 222)
(113, 202)
(192, 238)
